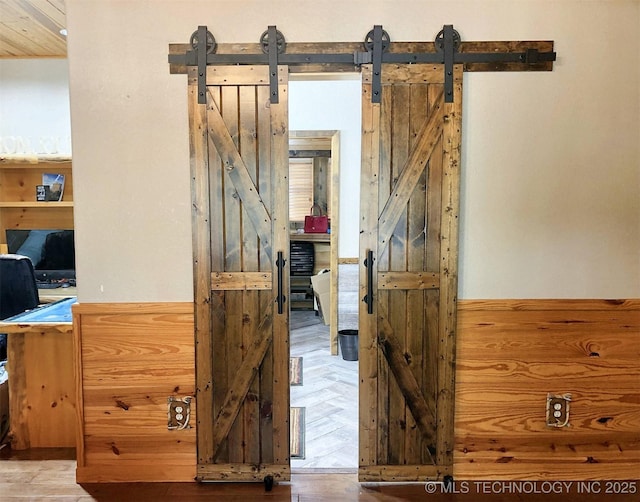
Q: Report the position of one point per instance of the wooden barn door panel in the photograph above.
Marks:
(239, 158)
(409, 210)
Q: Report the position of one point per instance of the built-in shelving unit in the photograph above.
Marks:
(19, 209)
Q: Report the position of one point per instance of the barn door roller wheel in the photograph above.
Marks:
(211, 42)
(440, 40)
(368, 41)
(280, 42)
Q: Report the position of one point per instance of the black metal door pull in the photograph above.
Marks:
(280, 299)
(368, 299)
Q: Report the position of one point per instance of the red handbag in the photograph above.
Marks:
(316, 224)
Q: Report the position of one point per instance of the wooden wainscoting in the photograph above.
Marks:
(510, 354)
(130, 358)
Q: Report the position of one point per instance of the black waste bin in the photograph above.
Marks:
(348, 339)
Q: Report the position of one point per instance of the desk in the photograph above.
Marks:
(41, 379)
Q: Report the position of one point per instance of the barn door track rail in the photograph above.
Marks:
(447, 50)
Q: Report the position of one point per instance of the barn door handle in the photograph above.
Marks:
(368, 299)
(280, 299)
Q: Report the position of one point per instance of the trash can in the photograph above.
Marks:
(348, 339)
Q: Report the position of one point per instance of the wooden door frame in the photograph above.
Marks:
(333, 138)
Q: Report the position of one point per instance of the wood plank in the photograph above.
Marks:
(201, 243)
(248, 75)
(244, 472)
(230, 338)
(432, 261)
(280, 212)
(416, 445)
(415, 165)
(21, 161)
(408, 280)
(572, 304)
(265, 185)
(183, 310)
(589, 373)
(146, 472)
(368, 347)
(335, 239)
(450, 208)
(214, 343)
(407, 74)
(394, 307)
(240, 281)
(18, 407)
(107, 451)
(237, 172)
(550, 471)
(385, 382)
(42, 407)
(78, 380)
(399, 473)
(248, 142)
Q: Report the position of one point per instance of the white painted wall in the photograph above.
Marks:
(551, 164)
(34, 107)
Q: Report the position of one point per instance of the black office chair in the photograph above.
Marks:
(18, 290)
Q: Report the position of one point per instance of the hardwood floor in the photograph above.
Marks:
(49, 474)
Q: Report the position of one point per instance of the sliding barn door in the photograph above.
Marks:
(408, 274)
(239, 159)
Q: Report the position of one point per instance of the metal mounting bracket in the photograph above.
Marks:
(448, 63)
(273, 64)
(376, 84)
(202, 64)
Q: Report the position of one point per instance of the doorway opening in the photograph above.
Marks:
(324, 386)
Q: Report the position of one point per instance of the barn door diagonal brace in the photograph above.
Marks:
(446, 50)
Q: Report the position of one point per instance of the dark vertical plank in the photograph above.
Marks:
(432, 261)
(382, 263)
(218, 379)
(248, 146)
(397, 307)
(199, 162)
(368, 345)
(280, 225)
(265, 186)
(416, 252)
(452, 138)
(233, 263)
